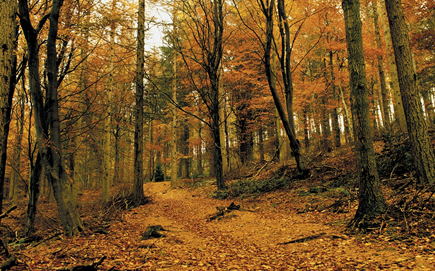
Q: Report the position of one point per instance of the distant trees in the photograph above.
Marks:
(201, 46)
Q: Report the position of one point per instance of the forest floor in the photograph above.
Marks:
(268, 232)
(300, 225)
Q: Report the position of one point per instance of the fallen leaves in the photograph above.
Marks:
(267, 238)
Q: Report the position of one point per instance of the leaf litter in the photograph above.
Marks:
(265, 233)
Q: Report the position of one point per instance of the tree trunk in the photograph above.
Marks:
(47, 117)
(7, 79)
(385, 105)
(138, 192)
(287, 120)
(394, 83)
(421, 146)
(174, 160)
(371, 200)
(13, 185)
(54, 162)
(347, 118)
(261, 144)
(184, 146)
(222, 127)
(34, 184)
(335, 123)
(107, 176)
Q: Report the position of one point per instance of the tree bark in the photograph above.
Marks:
(138, 192)
(399, 112)
(107, 176)
(7, 79)
(371, 200)
(335, 123)
(174, 160)
(421, 146)
(385, 105)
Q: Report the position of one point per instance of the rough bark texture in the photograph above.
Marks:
(421, 147)
(138, 192)
(399, 112)
(7, 79)
(371, 200)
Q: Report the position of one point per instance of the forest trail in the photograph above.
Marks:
(256, 237)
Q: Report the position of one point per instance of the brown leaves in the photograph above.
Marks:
(272, 237)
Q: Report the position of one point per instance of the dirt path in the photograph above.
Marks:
(257, 238)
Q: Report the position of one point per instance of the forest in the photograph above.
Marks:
(257, 135)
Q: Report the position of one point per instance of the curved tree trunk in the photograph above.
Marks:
(287, 120)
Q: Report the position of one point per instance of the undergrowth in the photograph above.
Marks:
(248, 187)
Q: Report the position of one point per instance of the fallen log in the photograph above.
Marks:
(223, 210)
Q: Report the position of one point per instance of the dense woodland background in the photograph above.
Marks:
(207, 107)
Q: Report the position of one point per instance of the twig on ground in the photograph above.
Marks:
(5, 214)
(46, 239)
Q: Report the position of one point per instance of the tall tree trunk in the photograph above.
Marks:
(371, 200)
(47, 117)
(261, 144)
(54, 162)
(222, 127)
(347, 118)
(421, 146)
(399, 113)
(306, 126)
(107, 176)
(287, 120)
(385, 105)
(13, 186)
(151, 155)
(200, 168)
(174, 160)
(213, 70)
(324, 115)
(335, 123)
(7, 79)
(138, 192)
(279, 140)
(34, 184)
(185, 162)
